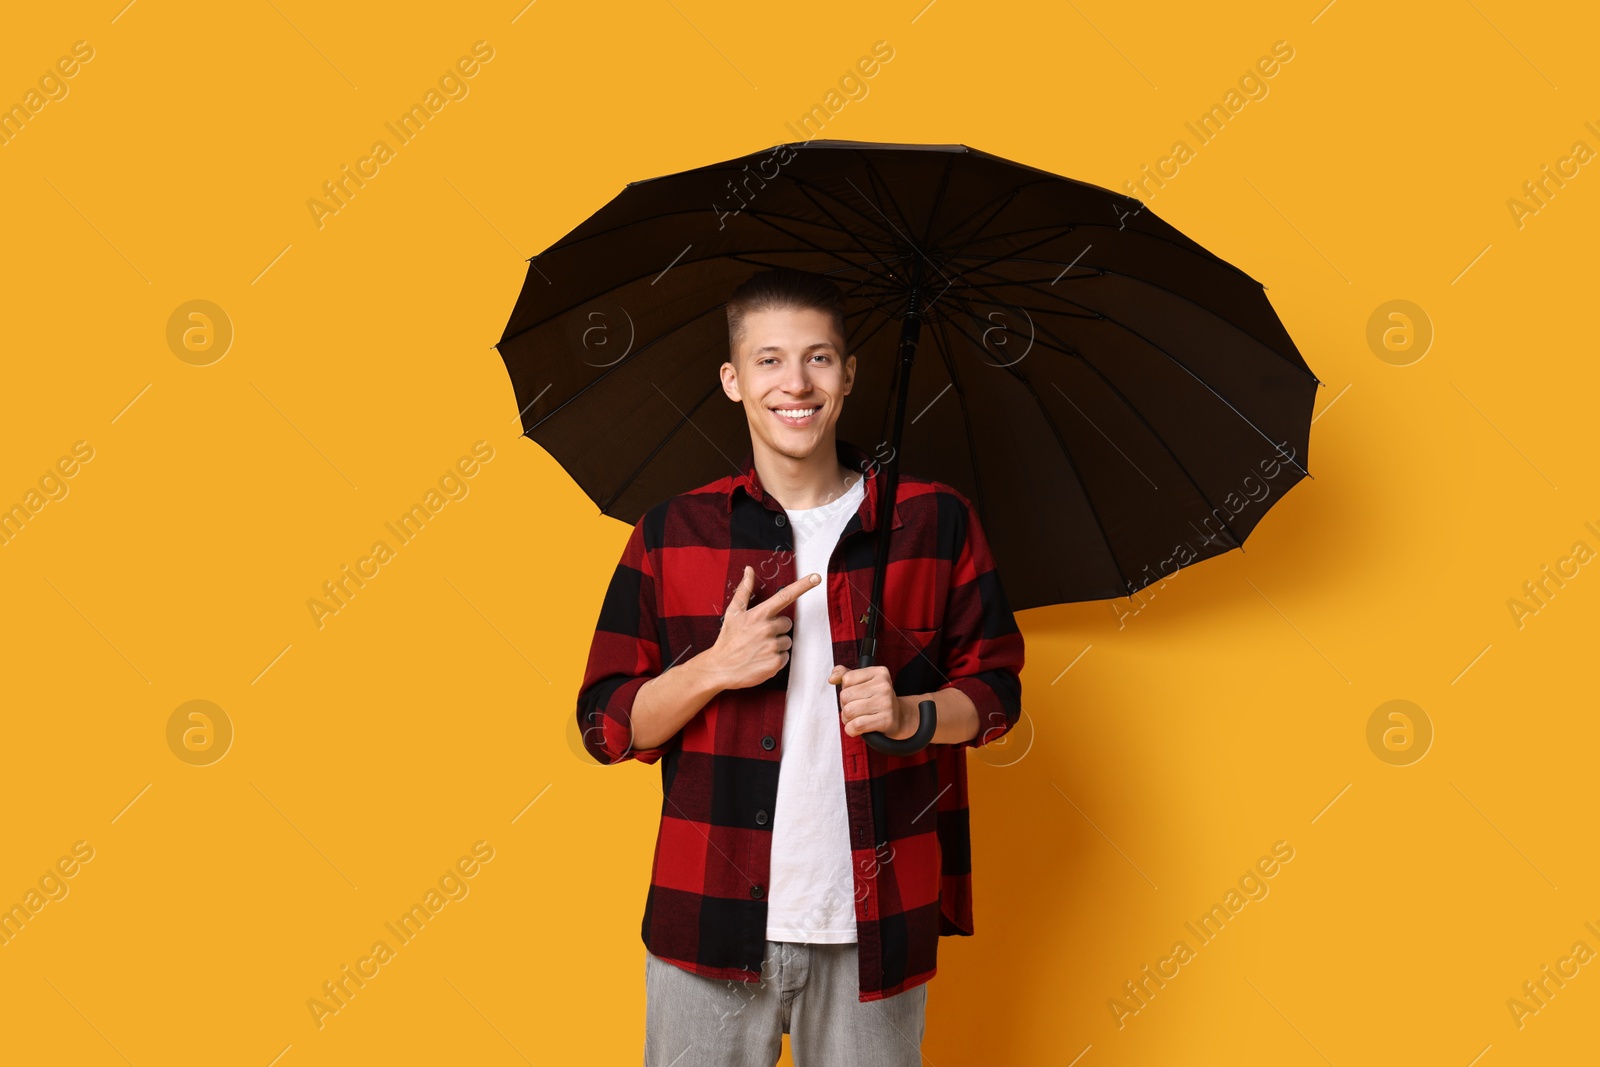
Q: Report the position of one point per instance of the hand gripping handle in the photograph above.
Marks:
(916, 742)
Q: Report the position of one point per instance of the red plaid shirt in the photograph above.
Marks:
(945, 622)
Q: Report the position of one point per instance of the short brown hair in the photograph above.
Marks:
(782, 287)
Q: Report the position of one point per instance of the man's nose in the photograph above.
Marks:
(797, 381)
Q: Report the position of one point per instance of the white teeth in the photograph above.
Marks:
(794, 414)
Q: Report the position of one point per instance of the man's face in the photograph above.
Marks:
(790, 361)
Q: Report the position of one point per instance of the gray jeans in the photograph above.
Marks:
(807, 991)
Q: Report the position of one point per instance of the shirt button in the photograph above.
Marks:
(761, 818)
(755, 891)
(782, 546)
(767, 743)
(781, 520)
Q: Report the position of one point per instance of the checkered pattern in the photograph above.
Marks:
(945, 622)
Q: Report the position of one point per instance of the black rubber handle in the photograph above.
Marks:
(916, 742)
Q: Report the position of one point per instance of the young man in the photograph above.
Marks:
(801, 879)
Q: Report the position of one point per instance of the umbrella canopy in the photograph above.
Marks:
(1115, 400)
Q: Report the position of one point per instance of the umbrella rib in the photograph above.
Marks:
(1012, 283)
(1052, 232)
(1066, 454)
(804, 184)
(565, 243)
(624, 360)
(862, 343)
(979, 235)
(1192, 248)
(763, 216)
(865, 304)
(1129, 329)
(947, 354)
(938, 199)
(1102, 271)
(1066, 350)
(650, 344)
(1059, 229)
(960, 252)
(866, 280)
(886, 190)
(1007, 196)
(1061, 346)
(753, 212)
(864, 283)
(874, 263)
(872, 172)
(760, 216)
(868, 311)
(990, 261)
(887, 319)
(893, 384)
(985, 299)
(686, 419)
(871, 283)
(875, 302)
(591, 296)
(655, 341)
(865, 301)
(805, 189)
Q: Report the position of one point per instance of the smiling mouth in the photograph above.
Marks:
(797, 416)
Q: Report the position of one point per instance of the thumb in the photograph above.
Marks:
(837, 674)
(741, 594)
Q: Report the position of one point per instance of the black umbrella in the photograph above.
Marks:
(1116, 401)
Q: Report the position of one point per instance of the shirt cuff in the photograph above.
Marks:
(997, 695)
(611, 741)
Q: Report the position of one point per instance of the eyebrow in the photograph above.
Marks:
(809, 348)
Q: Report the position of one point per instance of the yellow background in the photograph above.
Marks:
(431, 712)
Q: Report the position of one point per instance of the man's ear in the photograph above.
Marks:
(849, 373)
(730, 382)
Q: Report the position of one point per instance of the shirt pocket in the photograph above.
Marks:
(912, 656)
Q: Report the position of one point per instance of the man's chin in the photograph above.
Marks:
(797, 445)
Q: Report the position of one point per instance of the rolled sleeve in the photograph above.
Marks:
(983, 648)
(624, 654)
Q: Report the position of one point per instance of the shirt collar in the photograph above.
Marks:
(850, 456)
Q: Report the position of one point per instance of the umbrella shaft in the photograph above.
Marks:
(910, 330)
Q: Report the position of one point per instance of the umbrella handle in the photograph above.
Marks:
(916, 742)
(927, 723)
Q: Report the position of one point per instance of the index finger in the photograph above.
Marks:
(788, 594)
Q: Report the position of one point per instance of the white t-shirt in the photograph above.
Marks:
(811, 891)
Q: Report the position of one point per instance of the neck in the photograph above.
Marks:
(802, 483)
